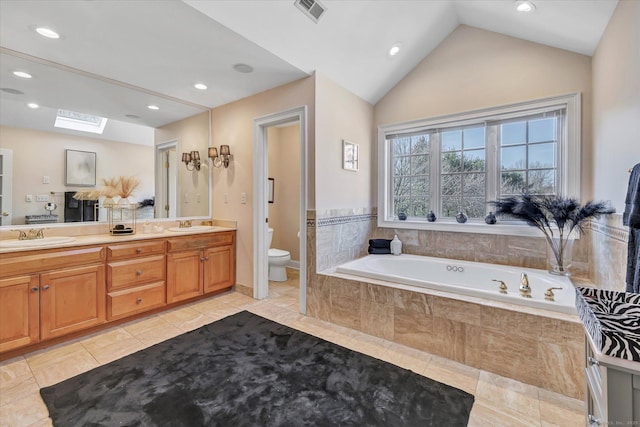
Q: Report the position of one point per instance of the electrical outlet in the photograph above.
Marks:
(42, 198)
(243, 198)
(28, 198)
(46, 180)
(225, 197)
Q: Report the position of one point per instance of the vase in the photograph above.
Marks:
(560, 255)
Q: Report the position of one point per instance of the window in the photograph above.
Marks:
(80, 121)
(460, 163)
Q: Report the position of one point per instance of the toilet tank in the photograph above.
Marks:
(269, 237)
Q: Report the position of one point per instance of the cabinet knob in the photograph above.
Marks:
(139, 272)
(45, 287)
(34, 289)
(593, 361)
(201, 259)
(138, 300)
(139, 251)
(593, 421)
(206, 258)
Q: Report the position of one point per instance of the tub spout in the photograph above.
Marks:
(525, 289)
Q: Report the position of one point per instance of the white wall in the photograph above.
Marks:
(342, 115)
(474, 68)
(191, 133)
(232, 124)
(38, 153)
(284, 168)
(616, 104)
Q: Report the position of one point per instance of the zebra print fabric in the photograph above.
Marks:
(612, 319)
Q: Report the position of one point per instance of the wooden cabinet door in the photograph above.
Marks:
(219, 268)
(72, 299)
(184, 275)
(19, 312)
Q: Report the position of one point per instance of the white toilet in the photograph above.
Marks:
(278, 260)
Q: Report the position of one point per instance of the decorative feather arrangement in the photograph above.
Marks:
(556, 216)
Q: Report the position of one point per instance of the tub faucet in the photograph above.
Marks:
(525, 289)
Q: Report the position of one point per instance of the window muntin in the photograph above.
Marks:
(532, 145)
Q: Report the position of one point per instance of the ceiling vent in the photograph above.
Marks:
(311, 8)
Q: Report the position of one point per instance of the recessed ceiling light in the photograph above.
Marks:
(22, 74)
(200, 86)
(243, 68)
(33, 105)
(395, 49)
(153, 107)
(48, 33)
(524, 6)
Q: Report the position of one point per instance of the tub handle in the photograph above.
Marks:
(503, 286)
(549, 296)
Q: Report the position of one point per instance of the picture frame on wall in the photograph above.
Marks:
(350, 156)
(271, 189)
(80, 168)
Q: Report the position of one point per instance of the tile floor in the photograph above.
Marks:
(499, 401)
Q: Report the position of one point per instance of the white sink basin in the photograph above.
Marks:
(192, 229)
(35, 243)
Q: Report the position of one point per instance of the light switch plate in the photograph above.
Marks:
(42, 198)
(28, 198)
(46, 180)
(243, 198)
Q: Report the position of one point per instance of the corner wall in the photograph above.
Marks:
(233, 124)
(616, 134)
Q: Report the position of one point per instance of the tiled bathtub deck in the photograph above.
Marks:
(499, 401)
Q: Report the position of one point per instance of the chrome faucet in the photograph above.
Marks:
(525, 289)
(184, 224)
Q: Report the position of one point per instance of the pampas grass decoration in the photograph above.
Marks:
(124, 186)
(127, 185)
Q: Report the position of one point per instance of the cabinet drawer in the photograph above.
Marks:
(125, 274)
(135, 300)
(201, 241)
(12, 264)
(138, 249)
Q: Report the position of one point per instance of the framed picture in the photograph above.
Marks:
(350, 157)
(271, 185)
(80, 168)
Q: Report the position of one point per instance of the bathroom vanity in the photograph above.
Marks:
(612, 362)
(77, 287)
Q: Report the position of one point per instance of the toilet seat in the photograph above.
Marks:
(276, 253)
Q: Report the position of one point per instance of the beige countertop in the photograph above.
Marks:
(106, 238)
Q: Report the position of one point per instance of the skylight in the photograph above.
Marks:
(80, 121)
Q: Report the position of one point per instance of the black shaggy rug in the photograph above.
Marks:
(245, 370)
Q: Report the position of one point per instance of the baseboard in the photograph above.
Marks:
(294, 264)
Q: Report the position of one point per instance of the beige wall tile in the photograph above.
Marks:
(449, 338)
(456, 310)
(513, 321)
(375, 293)
(413, 329)
(560, 332)
(414, 301)
(346, 312)
(376, 319)
(510, 355)
(561, 369)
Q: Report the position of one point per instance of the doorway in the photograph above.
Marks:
(261, 211)
(165, 205)
(6, 179)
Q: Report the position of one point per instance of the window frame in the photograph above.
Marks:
(568, 161)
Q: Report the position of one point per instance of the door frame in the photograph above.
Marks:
(6, 172)
(160, 202)
(260, 208)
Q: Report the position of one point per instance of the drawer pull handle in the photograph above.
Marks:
(593, 421)
(139, 272)
(593, 361)
(34, 289)
(139, 250)
(206, 258)
(45, 287)
(138, 300)
(201, 259)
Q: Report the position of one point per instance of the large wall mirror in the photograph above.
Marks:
(136, 142)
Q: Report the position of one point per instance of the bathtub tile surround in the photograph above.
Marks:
(608, 255)
(542, 351)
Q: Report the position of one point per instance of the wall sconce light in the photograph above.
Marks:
(223, 158)
(191, 159)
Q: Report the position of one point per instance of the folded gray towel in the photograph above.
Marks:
(379, 243)
(379, 251)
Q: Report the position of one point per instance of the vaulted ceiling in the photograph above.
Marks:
(126, 55)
